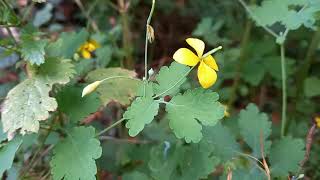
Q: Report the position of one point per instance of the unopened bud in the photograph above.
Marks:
(90, 88)
(150, 33)
(150, 72)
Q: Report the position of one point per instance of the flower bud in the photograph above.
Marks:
(150, 33)
(90, 88)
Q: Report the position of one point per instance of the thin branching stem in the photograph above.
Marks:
(257, 19)
(146, 47)
(110, 127)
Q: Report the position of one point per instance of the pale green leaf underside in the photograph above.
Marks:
(121, 90)
(7, 153)
(74, 157)
(285, 156)
(188, 112)
(141, 112)
(253, 125)
(29, 102)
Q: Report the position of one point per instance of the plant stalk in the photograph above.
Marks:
(284, 91)
(110, 127)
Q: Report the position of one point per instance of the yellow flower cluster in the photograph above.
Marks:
(87, 48)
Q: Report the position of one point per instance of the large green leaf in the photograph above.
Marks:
(285, 156)
(74, 157)
(76, 107)
(29, 102)
(189, 111)
(172, 78)
(121, 90)
(141, 112)
(163, 161)
(197, 163)
(7, 153)
(254, 127)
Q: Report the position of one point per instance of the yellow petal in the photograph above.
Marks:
(206, 75)
(211, 62)
(186, 56)
(86, 54)
(197, 45)
(91, 47)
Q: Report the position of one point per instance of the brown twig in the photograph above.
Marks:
(309, 140)
(265, 164)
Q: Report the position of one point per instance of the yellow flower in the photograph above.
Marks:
(317, 120)
(207, 74)
(87, 48)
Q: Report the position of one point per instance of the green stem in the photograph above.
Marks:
(257, 19)
(211, 52)
(110, 127)
(284, 91)
(116, 77)
(174, 84)
(85, 13)
(146, 47)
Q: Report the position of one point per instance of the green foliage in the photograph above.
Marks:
(74, 106)
(255, 129)
(162, 163)
(74, 157)
(136, 175)
(7, 16)
(197, 163)
(168, 77)
(312, 87)
(7, 153)
(121, 90)
(29, 102)
(285, 156)
(67, 44)
(284, 14)
(141, 112)
(33, 52)
(3, 135)
(189, 111)
(222, 141)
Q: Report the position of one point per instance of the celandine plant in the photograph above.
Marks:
(45, 131)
